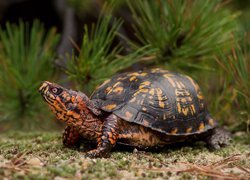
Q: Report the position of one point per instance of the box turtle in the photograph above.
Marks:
(143, 109)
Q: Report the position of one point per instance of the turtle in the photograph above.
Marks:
(142, 109)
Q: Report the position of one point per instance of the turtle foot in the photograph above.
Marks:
(218, 139)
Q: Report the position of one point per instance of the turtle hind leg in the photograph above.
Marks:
(71, 137)
(218, 138)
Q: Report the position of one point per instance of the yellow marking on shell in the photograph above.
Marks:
(104, 83)
(107, 90)
(118, 90)
(133, 99)
(182, 92)
(132, 78)
(183, 100)
(174, 131)
(152, 92)
(116, 84)
(170, 80)
(185, 111)
(182, 85)
(159, 70)
(146, 83)
(143, 74)
(201, 126)
(144, 109)
(110, 106)
(188, 130)
(199, 95)
(211, 122)
(141, 91)
(196, 87)
(178, 85)
(133, 74)
(121, 78)
(155, 70)
(192, 109)
(161, 104)
(179, 107)
(158, 91)
(128, 114)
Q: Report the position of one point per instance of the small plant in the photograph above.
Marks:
(98, 57)
(236, 68)
(26, 58)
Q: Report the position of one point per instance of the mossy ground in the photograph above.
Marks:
(41, 155)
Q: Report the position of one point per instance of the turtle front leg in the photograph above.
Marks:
(71, 137)
(107, 139)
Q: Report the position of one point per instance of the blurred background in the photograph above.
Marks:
(80, 43)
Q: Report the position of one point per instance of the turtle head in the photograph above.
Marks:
(68, 105)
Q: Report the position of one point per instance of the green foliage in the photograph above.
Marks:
(236, 68)
(183, 32)
(26, 56)
(99, 58)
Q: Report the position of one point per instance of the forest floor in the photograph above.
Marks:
(41, 155)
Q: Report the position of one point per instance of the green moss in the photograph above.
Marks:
(58, 161)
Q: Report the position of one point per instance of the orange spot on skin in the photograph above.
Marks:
(188, 130)
(174, 131)
(109, 107)
(73, 99)
(201, 126)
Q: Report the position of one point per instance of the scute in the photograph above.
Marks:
(167, 102)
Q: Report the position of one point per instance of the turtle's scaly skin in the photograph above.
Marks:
(143, 109)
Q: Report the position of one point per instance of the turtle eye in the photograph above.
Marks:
(55, 90)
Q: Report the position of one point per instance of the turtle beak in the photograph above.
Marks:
(44, 87)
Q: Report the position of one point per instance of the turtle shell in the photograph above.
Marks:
(164, 101)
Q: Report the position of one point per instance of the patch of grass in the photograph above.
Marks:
(41, 155)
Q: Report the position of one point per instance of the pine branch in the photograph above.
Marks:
(183, 31)
(99, 57)
(26, 55)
